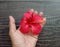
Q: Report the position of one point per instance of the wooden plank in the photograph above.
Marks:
(33, 0)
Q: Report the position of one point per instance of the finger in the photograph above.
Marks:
(36, 12)
(44, 19)
(12, 25)
(43, 22)
(41, 13)
(32, 10)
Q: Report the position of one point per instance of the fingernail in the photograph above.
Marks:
(35, 12)
(41, 13)
(32, 10)
(45, 18)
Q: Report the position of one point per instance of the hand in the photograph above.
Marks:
(19, 39)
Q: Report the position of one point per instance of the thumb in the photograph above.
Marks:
(12, 26)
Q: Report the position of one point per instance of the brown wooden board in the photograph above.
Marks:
(50, 35)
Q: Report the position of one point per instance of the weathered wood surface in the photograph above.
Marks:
(50, 36)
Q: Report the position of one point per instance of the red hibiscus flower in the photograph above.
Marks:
(31, 23)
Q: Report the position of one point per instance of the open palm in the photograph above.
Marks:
(22, 40)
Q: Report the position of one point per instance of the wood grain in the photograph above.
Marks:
(50, 36)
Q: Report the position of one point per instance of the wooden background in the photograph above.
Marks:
(50, 36)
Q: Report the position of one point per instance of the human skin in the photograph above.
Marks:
(19, 39)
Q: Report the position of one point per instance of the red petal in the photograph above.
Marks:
(36, 29)
(24, 29)
(28, 14)
(36, 18)
(23, 21)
